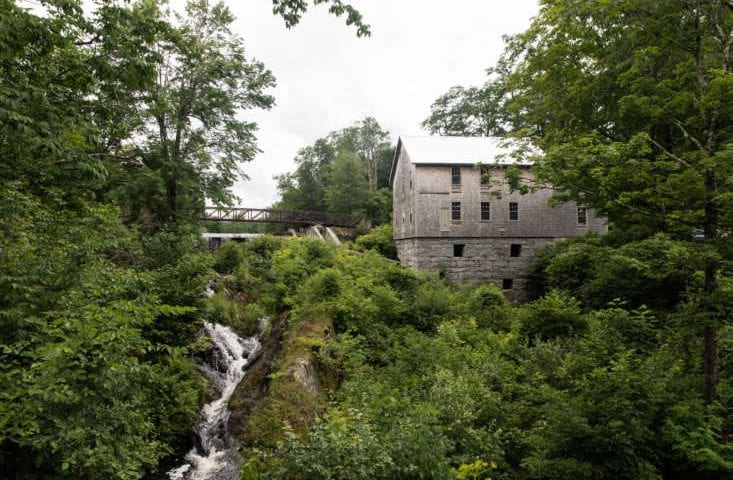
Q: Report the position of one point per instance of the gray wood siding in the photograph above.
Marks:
(537, 216)
(403, 198)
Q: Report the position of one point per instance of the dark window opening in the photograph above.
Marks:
(513, 211)
(485, 175)
(455, 175)
(214, 243)
(458, 249)
(582, 216)
(507, 283)
(485, 211)
(455, 211)
(515, 250)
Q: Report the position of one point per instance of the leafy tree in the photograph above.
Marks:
(54, 129)
(193, 136)
(98, 107)
(347, 191)
(378, 206)
(321, 174)
(292, 11)
(631, 119)
(304, 188)
(86, 394)
(367, 139)
(471, 111)
(553, 315)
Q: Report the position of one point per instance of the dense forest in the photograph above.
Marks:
(117, 124)
(345, 172)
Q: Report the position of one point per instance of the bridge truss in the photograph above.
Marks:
(269, 215)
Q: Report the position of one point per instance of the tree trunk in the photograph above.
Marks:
(171, 191)
(710, 340)
(710, 364)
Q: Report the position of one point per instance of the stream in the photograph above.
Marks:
(213, 456)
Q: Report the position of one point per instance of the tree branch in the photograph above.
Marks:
(688, 136)
(671, 155)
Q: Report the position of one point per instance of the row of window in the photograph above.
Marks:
(485, 211)
(515, 249)
(455, 175)
(513, 212)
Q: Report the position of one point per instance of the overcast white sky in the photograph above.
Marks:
(328, 78)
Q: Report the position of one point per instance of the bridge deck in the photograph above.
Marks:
(269, 215)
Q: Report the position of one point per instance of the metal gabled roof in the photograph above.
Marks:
(455, 151)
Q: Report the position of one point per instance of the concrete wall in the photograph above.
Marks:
(483, 260)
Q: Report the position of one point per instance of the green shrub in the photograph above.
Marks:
(347, 445)
(556, 314)
(228, 257)
(380, 239)
(487, 304)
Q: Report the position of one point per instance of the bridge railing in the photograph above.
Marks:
(269, 215)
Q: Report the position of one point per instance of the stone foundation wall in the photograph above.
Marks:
(483, 260)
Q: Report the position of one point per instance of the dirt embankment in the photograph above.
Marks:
(285, 385)
(255, 384)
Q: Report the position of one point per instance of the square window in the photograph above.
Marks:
(485, 211)
(507, 283)
(458, 249)
(455, 175)
(513, 211)
(515, 250)
(455, 211)
(582, 216)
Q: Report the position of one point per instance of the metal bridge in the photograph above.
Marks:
(269, 215)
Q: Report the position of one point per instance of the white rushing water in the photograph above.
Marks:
(213, 458)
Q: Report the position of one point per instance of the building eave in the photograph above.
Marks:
(394, 161)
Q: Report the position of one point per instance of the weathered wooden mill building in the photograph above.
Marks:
(454, 213)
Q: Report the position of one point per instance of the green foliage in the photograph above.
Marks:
(474, 471)
(471, 111)
(190, 139)
(378, 206)
(88, 394)
(487, 305)
(230, 309)
(656, 271)
(346, 445)
(166, 246)
(227, 258)
(380, 239)
(347, 188)
(424, 378)
(554, 315)
(347, 172)
(292, 10)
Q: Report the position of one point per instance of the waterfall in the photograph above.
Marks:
(213, 458)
